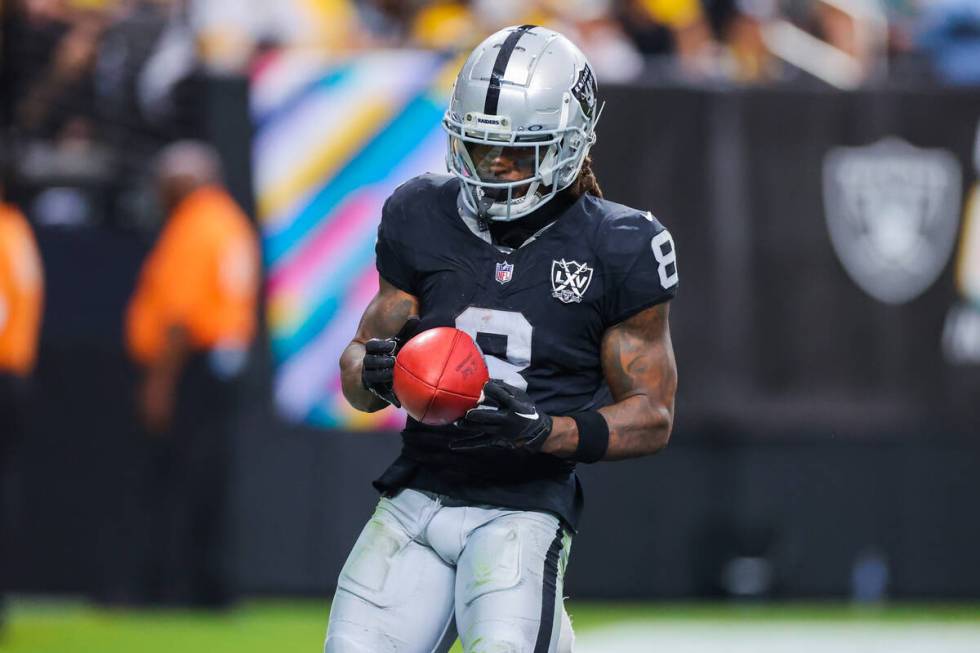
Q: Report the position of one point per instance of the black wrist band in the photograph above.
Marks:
(593, 436)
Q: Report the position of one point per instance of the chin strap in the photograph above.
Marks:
(482, 216)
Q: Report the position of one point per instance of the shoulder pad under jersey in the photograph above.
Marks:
(638, 258)
(409, 224)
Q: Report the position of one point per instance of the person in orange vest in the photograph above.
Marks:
(189, 327)
(21, 299)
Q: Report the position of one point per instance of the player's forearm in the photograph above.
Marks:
(384, 316)
(637, 427)
(350, 379)
(638, 364)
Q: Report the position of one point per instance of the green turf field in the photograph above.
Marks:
(295, 626)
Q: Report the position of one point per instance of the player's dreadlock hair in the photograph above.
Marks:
(586, 181)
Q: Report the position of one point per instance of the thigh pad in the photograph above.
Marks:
(378, 568)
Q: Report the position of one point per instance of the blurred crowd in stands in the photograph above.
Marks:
(689, 40)
(91, 88)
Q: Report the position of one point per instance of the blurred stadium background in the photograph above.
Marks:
(817, 162)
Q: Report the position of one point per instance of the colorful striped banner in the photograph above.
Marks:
(333, 140)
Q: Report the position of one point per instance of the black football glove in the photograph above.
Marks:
(378, 367)
(506, 419)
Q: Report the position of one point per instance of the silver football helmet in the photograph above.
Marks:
(521, 120)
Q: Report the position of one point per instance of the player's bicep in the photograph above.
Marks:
(387, 313)
(638, 358)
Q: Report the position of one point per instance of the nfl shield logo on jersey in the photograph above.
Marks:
(569, 280)
(505, 272)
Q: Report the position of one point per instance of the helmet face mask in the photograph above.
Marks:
(516, 158)
(496, 163)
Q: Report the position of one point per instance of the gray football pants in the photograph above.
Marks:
(421, 572)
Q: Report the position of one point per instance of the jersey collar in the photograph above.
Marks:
(477, 225)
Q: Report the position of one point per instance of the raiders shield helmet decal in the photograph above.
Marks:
(585, 90)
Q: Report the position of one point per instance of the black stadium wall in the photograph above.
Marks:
(828, 417)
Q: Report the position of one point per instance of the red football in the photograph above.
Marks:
(439, 375)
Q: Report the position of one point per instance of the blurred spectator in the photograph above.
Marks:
(494, 15)
(856, 28)
(71, 67)
(591, 25)
(229, 31)
(385, 21)
(52, 76)
(740, 25)
(135, 36)
(951, 37)
(444, 25)
(21, 291)
(21, 297)
(190, 324)
(842, 43)
(904, 17)
(666, 28)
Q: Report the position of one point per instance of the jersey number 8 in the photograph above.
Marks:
(514, 354)
(666, 257)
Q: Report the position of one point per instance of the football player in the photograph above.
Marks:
(566, 294)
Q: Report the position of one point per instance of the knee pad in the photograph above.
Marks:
(340, 644)
(498, 637)
(359, 639)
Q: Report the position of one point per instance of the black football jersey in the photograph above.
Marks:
(538, 313)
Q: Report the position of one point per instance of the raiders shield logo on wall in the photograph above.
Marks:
(569, 280)
(893, 211)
